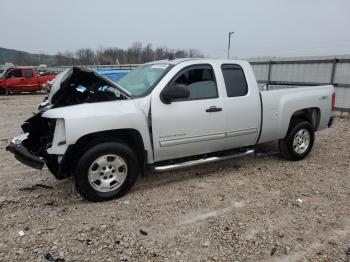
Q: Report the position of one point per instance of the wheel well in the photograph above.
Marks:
(312, 115)
(129, 136)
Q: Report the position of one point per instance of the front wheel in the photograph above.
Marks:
(105, 171)
(4, 91)
(298, 142)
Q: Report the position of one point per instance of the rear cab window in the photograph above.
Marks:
(28, 73)
(235, 81)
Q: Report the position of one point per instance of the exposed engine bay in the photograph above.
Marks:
(79, 85)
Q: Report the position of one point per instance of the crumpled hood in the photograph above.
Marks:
(66, 86)
(57, 83)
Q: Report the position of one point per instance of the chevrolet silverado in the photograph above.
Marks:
(163, 116)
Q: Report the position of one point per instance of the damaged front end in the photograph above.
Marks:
(72, 87)
(30, 147)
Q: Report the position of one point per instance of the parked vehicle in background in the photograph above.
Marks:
(164, 115)
(23, 79)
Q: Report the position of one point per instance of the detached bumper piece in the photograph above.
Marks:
(23, 155)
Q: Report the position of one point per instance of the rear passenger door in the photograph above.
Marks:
(242, 107)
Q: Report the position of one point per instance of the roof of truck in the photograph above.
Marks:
(21, 67)
(180, 60)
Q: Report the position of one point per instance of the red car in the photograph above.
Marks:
(23, 79)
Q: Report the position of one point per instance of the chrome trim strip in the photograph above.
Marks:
(193, 139)
(180, 141)
(200, 161)
(242, 132)
(19, 85)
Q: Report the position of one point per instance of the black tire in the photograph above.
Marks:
(122, 150)
(4, 92)
(53, 167)
(286, 147)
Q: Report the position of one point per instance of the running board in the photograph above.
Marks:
(201, 161)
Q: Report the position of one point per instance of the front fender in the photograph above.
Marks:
(84, 119)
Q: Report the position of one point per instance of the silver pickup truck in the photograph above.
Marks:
(162, 116)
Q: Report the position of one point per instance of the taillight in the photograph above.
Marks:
(333, 101)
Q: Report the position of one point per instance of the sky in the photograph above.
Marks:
(261, 27)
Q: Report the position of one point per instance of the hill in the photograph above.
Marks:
(24, 58)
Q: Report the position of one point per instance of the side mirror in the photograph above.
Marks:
(174, 92)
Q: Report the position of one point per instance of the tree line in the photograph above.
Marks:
(135, 54)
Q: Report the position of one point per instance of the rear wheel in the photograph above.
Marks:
(105, 171)
(298, 142)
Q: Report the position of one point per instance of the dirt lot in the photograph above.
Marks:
(250, 209)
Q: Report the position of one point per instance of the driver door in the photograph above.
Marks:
(15, 80)
(191, 126)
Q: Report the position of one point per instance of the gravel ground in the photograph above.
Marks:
(260, 208)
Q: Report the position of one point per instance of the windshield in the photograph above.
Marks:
(142, 79)
(3, 72)
(114, 77)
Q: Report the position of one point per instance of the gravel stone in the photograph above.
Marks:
(236, 210)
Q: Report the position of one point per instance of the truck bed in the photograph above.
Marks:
(278, 106)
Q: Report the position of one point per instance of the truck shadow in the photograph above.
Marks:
(62, 192)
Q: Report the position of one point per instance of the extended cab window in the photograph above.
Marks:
(236, 84)
(200, 81)
(14, 73)
(28, 73)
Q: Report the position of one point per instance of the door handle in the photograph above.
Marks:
(213, 109)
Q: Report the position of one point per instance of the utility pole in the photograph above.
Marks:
(229, 44)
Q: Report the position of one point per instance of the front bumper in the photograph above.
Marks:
(22, 154)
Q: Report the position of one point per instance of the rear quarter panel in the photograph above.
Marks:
(43, 79)
(279, 106)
